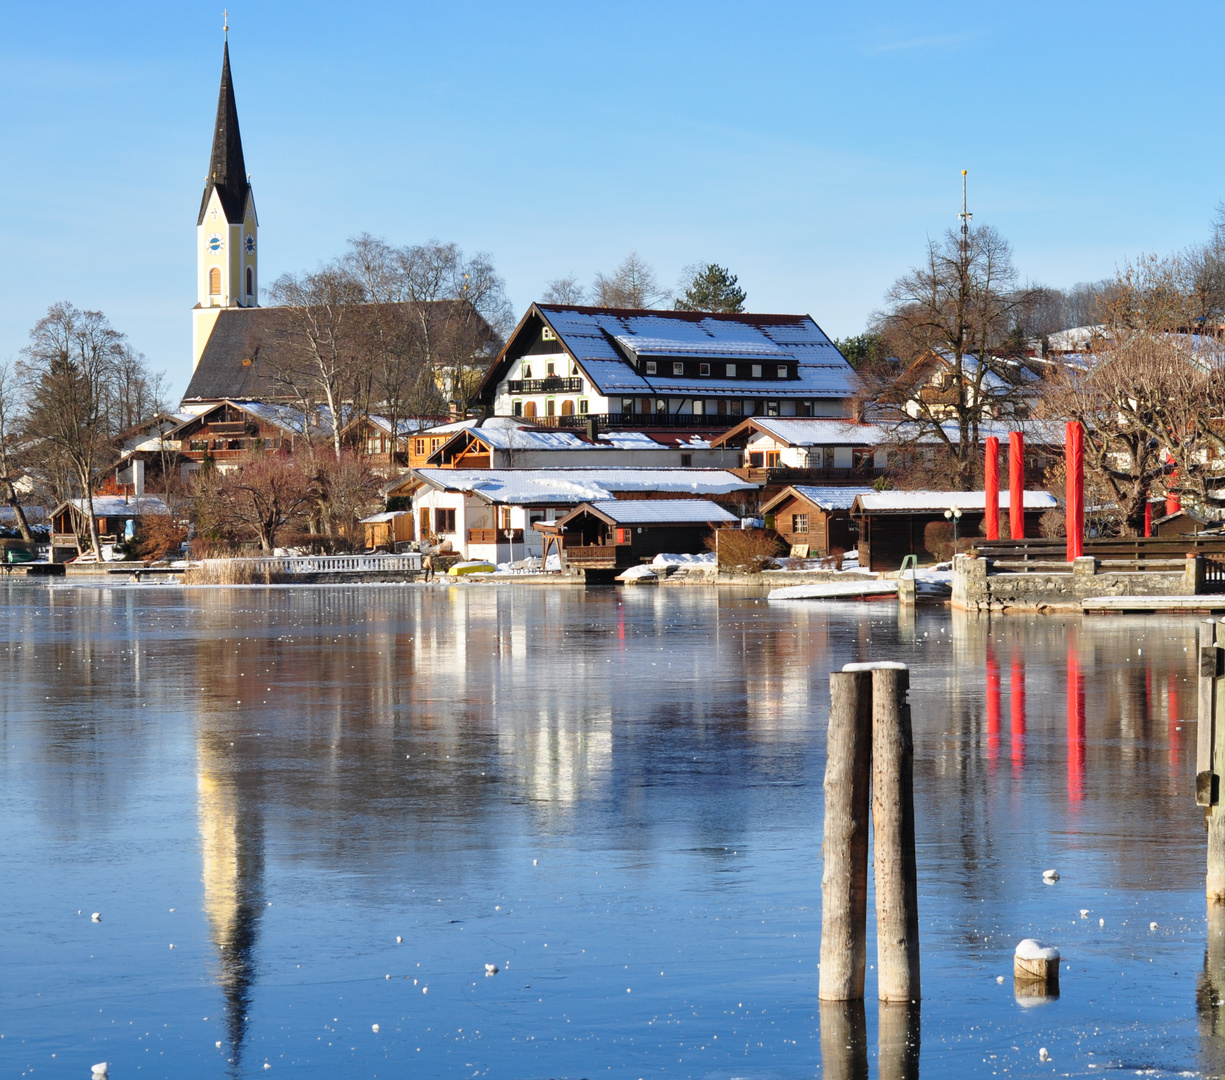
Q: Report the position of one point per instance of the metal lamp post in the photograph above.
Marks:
(953, 514)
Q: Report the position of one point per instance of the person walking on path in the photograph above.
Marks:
(427, 564)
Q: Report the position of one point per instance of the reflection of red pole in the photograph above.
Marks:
(991, 475)
(1076, 728)
(1016, 484)
(1148, 517)
(1175, 721)
(1016, 691)
(993, 708)
(1074, 460)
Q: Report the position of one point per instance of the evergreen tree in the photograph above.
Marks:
(711, 288)
(862, 349)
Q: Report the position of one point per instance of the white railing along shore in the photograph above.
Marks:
(326, 564)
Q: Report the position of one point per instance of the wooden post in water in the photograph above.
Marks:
(844, 879)
(893, 829)
(1210, 754)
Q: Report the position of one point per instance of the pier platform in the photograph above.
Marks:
(1153, 603)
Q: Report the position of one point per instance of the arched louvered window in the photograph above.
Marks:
(214, 281)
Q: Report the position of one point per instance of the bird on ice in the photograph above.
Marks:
(96, 917)
(1043, 1054)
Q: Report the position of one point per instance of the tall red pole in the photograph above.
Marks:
(1074, 467)
(1016, 484)
(1172, 502)
(991, 473)
(1148, 517)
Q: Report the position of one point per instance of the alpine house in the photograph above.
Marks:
(564, 366)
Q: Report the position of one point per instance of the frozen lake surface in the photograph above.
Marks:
(615, 796)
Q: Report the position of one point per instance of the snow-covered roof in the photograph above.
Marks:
(403, 426)
(568, 487)
(815, 432)
(606, 341)
(827, 498)
(661, 511)
(386, 515)
(287, 417)
(116, 506)
(918, 502)
(510, 438)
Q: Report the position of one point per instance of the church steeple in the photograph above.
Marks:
(227, 171)
(227, 268)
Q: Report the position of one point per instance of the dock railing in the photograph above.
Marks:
(1041, 555)
(328, 564)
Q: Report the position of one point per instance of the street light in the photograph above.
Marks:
(953, 514)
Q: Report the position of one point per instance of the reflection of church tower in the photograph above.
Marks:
(232, 847)
(226, 267)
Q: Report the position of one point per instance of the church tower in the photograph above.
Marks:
(227, 273)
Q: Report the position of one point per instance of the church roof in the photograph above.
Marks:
(247, 345)
(227, 172)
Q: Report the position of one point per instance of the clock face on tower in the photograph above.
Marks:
(249, 244)
(215, 243)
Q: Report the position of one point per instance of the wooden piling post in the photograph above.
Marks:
(1035, 969)
(844, 878)
(1210, 753)
(893, 826)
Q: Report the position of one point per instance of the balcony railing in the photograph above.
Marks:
(495, 536)
(614, 421)
(784, 475)
(554, 384)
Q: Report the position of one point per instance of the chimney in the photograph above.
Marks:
(593, 428)
(453, 412)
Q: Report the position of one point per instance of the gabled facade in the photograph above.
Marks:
(228, 430)
(645, 368)
(782, 448)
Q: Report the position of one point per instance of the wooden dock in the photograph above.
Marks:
(1208, 602)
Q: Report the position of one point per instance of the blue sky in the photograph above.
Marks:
(811, 148)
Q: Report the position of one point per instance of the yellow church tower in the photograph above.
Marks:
(227, 272)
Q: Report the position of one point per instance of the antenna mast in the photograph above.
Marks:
(965, 214)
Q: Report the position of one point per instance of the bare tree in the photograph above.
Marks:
(959, 306)
(632, 285)
(264, 495)
(71, 367)
(320, 365)
(10, 471)
(565, 290)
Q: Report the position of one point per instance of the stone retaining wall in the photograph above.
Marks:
(976, 587)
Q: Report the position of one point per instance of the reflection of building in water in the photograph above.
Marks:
(231, 845)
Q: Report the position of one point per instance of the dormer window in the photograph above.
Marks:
(756, 371)
(703, 369)
(782, 371)
(650, 367)
(731, 371)
(678, 368)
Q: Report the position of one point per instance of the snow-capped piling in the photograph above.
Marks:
(893, 826)
(1035, 968)
(844, 877)
(869, 744)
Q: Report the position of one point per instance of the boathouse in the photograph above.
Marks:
(615, 534)
(118, 518)
(816, 517)
(892, 524)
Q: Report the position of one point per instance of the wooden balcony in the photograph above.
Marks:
(599, 556)
(862, 474)
(495, 536)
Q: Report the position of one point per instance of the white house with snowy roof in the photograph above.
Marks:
(490, 513)
(645, 368)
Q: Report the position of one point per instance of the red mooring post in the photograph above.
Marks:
(1074, 467)
(1172, 502)
(1148, 518)
(991, 472)
(1016, 484)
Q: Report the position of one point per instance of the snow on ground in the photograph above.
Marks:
(636, 573)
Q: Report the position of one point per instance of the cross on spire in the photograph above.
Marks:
(225, 23)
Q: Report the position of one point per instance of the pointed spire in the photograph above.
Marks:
(226, 170)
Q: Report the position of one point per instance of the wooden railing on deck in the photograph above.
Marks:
(495, 536)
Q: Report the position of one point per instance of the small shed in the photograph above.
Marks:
(117, 516)
(817, 516)
(388, 529)
(620, 533)
(892, 523)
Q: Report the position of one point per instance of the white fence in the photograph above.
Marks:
(328, 564)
